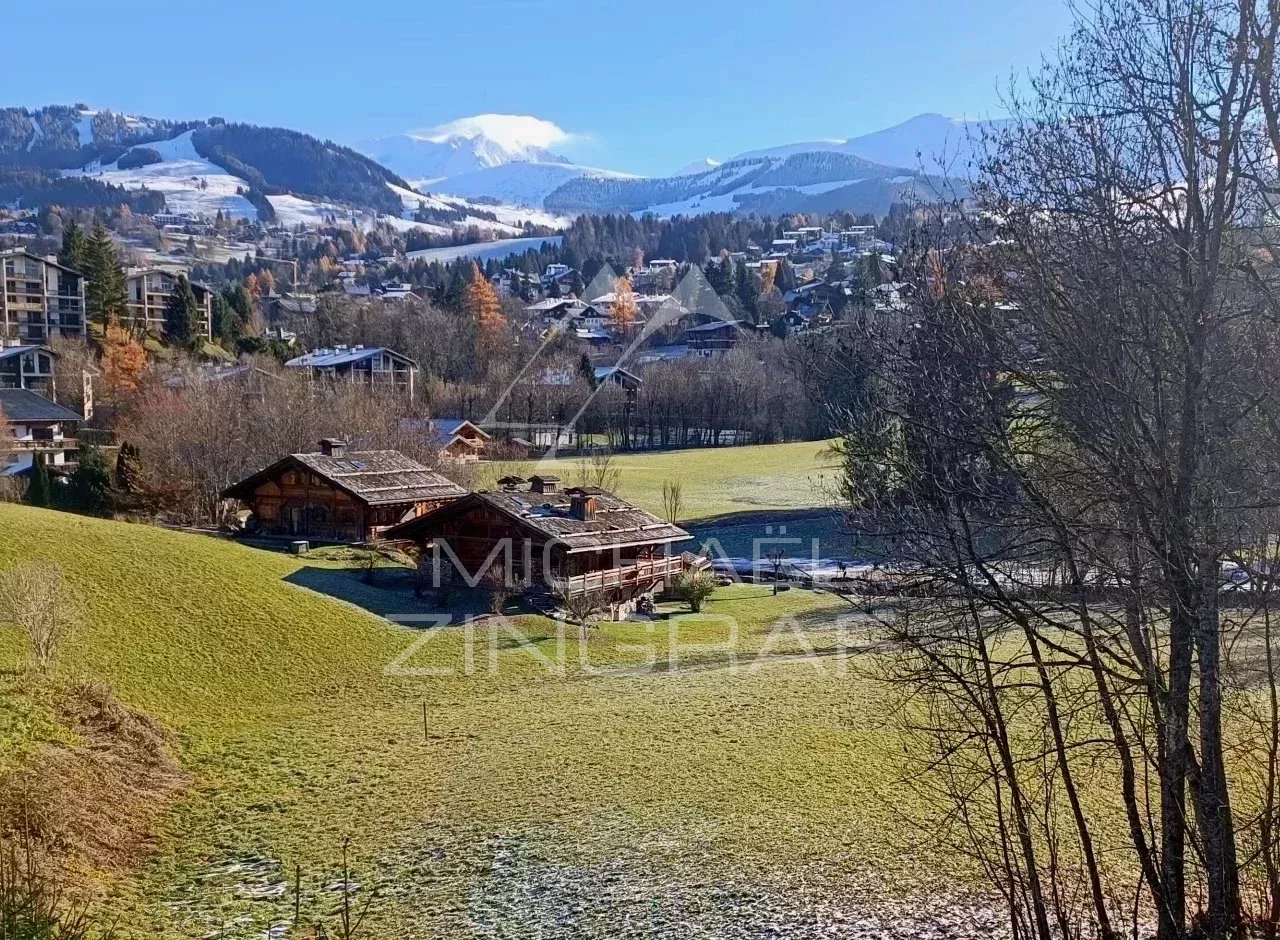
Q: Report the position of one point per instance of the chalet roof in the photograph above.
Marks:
(448, 428)
(714, 326)
(373, 477)
(20, 404)
(8, 352)
(609, 372)
(343, 355)
(548, 516)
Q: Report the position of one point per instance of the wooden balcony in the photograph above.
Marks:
(640, 576)
(26, 444)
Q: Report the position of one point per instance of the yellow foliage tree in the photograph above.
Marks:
(623, 313)
(124, 360)
(481, 303)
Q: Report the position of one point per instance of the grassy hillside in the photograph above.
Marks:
(716, 481)
(529, 791)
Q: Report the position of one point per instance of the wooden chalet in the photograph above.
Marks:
(573, 542)
(714, 336)
(458, 439)
(340, 496)
(364, 365)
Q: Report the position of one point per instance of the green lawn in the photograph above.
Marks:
(716, 480)
(612, 793)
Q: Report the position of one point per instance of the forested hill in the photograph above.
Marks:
(37, 145)
(277, 161)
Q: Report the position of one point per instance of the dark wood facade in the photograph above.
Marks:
(338, 497)
(557, 543)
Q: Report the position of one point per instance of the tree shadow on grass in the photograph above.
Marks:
(390, 596)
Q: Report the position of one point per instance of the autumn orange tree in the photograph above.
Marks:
(123, 360)
(623, 312)
(480, 302)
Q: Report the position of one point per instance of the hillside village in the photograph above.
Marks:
(870, 537)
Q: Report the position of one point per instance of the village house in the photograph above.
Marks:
(619, 377)
(34, 428)
(458, 439)
(40, 298)
(148, 292)
(339, 495)
(29, 367)
(571, 543)
(717, 336)
(365, 365)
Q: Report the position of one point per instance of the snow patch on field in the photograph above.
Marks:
(482, 251)
(188, 182)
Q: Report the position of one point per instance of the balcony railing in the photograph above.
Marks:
(12, 444)
(640, 574)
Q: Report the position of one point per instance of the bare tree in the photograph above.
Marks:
(1074, 432)
(35, 596)
(672, 501)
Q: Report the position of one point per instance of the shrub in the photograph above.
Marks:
(694, 588)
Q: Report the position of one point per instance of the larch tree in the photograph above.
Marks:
(624, 310)
(481, 304)
(123, 362)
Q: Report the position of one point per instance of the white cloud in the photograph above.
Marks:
(511, 131)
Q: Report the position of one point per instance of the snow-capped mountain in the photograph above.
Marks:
(469, 144)
(808, 181)
(932, 142)
(508, 161)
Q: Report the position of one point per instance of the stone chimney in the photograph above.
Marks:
(333, 447)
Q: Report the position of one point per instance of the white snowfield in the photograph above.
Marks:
(482, 252)
(188, 181)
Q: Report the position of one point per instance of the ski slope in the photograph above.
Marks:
(188, 181)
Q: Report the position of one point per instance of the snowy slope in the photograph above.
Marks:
(483, 251)
(698, 166)
(188, 181)
(937, 143)
(517, 184)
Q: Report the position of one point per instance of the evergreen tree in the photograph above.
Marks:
(39, 490)
(89, 487)
(129, 469)
(222, 318)
(240, 302)
(785, 278)
(105, 295)
(587, 370)
(75, 249)
(182, 314)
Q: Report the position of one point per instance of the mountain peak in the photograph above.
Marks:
(468, 144)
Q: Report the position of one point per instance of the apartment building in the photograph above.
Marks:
(148, 292)
(41, 298)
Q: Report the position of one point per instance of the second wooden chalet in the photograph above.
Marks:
(577, 541)
(339, 495)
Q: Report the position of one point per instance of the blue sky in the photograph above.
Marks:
(650, 86)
